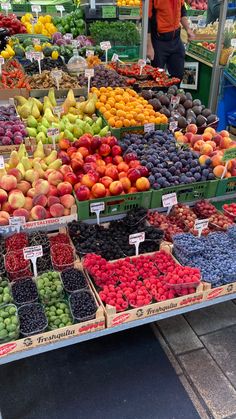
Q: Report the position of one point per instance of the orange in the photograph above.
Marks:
(103, 98)
(102, 109)
(158, 120)
(121, 113)
(103, 89)
(111, 122)
(108, 106)
(129, 116)
(113, 111)
(99, 105)
(126, 123)
(118, 124)
(132, 122)
(140, 117)
(107, 115)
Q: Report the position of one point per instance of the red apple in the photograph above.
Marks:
(104, 150)
(116, 150)
(133, 174)
(83, 193)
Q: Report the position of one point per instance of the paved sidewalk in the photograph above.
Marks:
(202, 347)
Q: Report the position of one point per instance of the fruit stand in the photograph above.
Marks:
(117, 188)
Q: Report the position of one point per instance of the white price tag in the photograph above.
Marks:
(149, 127)
(136, 239)
(89, 72)
(201, 225)
(75, 43)
(115, 58)
(37, 55)
(233, 42)
(28, 55)
(36, 41)
(168, 200)
(89, 52)
(97, 207)
(2, 163)
(173, 125)
(53, 131)
(60, 8)
(33, 253)
(105, 45)
(2, 61)
(141, 63)
(36, 8)
(201, 23)
(6, 6)
(68, 37)
(58, 110)
(17, 222)
(175, 100)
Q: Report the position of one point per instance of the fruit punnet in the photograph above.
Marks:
(136, 282)
(167, 163)
(49, 286)
(83, 305)
(125, 108)
(9, 323)
(32, 319)
(58, 315)
(73, 280)
(24, 291)
(5, 292)
(17, 266)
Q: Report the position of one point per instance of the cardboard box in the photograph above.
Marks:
(211, 293)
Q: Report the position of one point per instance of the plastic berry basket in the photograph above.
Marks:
(73, 302)
(28, 296)
(44, 264)
(229, 214)
(2, 265)
(5, 297)
(185, 285)
(29, 312)
(6, 312)
(46, 295)
(16, 242)
(66, 260)
(80, 283)
(57, 320)
(11, 265)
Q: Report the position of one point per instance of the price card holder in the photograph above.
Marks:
(175, 101)
(57, 76)
(201, 22)
(36, 8)
(2, 163)
(68, 37)
(58, 110)
(149, 127)
(17, 221)
(53, 132)
(89, 73)
(60, 8)
(136, 239)
(28, 56)
(97, 207)
(115, 58)
(201, 225)
(169, 200)
(105, 46)
(89, 53)
(1, 64)
(38, 56)
(6, 7)
(173, 125)
(33, 253)
(141, 64)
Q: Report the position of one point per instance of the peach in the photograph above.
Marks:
(67, 200)
(71, 150)
(31, 175)
(134, 164)
(53, 191)
(15, 172)
(40, 199)
(66, 211)
(117, 160)
(84, 151)
(112, 172)
(122, 174)
(88, 180)
(192, 128)
(224, 133)
(206, 149)
(133, 190)
(217, 138)
(211, 130)
(142, 184)
(225, 142)
(83, 193)
(8, 182)
(3, 196)
(212, 144)
(76, 164)
(65, 169)
(31, 192)
(101, 170)
(218, 171)
(207, 136)
(216, 160)
(125, 183)
(4, 218)
(123, 167)
(227, 175)
(189, 136)
(4, 214)
(106, 181)
(198, 145)
(203, 158)
(195, 139)
(23, 186)
(16, 199)
(55, 178)
(48, 215)
(28, 203)
(42, 186)
(64, 144)
(21, 212)
(116, 187)
(71, 178)
(98, 190)
(48, 172)
(56, 210)
(53, 200)
(7, 207)
(64, 188)
(38, 213)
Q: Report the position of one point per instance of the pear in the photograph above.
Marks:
(21, 100)
(47, 104)
(31, 132)
(96, 128)
(41, 137)
(80, 123)
(99, 121)
(56, 164)
(31, 175)
(38, 168)
(32, 122)
(26, 163)
(25, 110)
(61, 135)
(72, 118)
(69, 102)
(22, 152)
(69, 127)
(90, 107)
(42, 128)
(20, 167)
(14, 159)
(49, 115)
(88, 129)
(45, 123)
(73, 111)
(69, 135)
(78, 132)
(51, 97)
(104, 131)
(88, 120)
(35, 112)
(61, 126)
(51, 157)
(43, 165)
(38, 104)
(39, 152)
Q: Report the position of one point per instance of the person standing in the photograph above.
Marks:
(164, 45)
(213, 10)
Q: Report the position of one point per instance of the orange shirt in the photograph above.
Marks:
(168, 14)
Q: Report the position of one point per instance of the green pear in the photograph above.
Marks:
(99, 122)
(41, 137)
(104, 131)
(80, 123)
(72, 118)
(42, 128)
(69, 127)
(31, 131)
(61, 126)
(88, 120)
(88, 129)
(69, 135)
(45, 123)
(78, 132)
(96, 128)
(32, 122)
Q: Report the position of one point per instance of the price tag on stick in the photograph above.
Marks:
(1, 64)
(17, 221)
(169, 200)
(2, 164)
(58, 110)
(97, 207)
(36, 8)
(38, 56)
(53, 132)
(57, 76)
(136, 239)
(105, 46)
(201, 225)
(6, 7)
(141, 64)
(60, 8)
(89, 73)
(33, 253)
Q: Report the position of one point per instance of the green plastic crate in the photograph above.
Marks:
(69, 7)
(226, 186)
(193, 12)
(114, 204)
(186, 193)
(202, 52)
(22, 8)
(126, 12)
(125, 52)
(220, 204)
(232, 69)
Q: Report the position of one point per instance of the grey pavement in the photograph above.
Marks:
(201, 346)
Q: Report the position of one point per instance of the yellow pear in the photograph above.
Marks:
(35, 111)
(47, 104)
(20, 167)
(26, 163)
(51, 97)
(39, 152)
(14, 159)
(22, 152)
(49, 115)
(39, 104)
(55, 165)
(21, 100)
(38, 168)
(51, 157)
(25, 110)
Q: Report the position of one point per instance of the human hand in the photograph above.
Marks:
(190, 34)
(150, 51)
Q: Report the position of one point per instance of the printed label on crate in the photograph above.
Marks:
(89, 53)
(137, 238)
(36, 41)
(201, 225)
(229, 154)
(149, 127)
(2, 61)
(36, 8)
(2, 164)
(17, 221)
(109, 12)
(115, 58)
(201, 22)
(6, 6)
(105, 45)
(60, 8)
(52, 132)
(89, 72)
(100, 206)
(170, 199)
(33, 252)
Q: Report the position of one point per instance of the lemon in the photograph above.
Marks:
(5, 54)
(55, 55)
